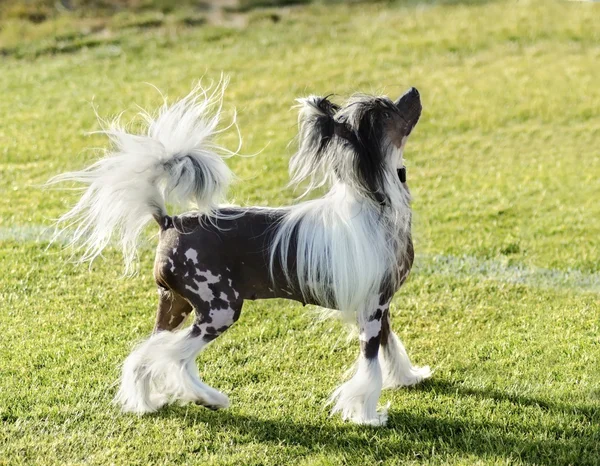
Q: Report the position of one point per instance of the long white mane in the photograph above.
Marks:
(347, 244)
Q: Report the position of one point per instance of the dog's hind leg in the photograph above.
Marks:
(357, 399)
(163, 368)
(172, 310)
(212, 320)
(398, 371)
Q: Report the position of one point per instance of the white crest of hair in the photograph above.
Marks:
(175, 161)
(162, 370)
(308, 162)
(347, 244)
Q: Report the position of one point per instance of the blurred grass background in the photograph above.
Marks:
(34, 27)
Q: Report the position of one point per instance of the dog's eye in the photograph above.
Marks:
(387, 115)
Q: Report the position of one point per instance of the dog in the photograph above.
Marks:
(349, 250)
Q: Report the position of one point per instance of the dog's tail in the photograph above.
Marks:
(175, 161)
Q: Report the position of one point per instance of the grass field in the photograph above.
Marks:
(504, 300)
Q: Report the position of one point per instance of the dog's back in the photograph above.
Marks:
(226, 252)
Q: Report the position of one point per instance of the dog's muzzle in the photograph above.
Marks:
(409, 106)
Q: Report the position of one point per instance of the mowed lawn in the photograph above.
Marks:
(503, 302)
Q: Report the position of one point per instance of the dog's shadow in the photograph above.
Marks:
(415, 436)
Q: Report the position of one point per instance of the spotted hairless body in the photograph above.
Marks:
(213, 266)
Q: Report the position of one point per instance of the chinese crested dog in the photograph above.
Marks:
(349, 250)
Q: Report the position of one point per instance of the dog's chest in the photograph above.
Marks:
(405, 261)
(406, 252)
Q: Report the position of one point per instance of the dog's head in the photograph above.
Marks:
(359, 144)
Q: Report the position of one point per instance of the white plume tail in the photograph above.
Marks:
(176, 161)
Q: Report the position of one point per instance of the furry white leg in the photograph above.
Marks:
(134, 394)
(396, 366)
(357, 399)
(162, 369)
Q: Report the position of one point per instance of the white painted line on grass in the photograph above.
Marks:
(460, 267)
(502, 271)
(33, 233)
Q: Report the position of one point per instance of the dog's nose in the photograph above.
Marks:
(414, 92)
(409, 96)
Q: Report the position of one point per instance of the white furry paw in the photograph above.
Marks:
(131, 402)
(411, 377)
(417, 375)
(357, 414)
(379, 420)
(358, 408)
(214, 400)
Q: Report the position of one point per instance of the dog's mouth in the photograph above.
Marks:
(409, 108)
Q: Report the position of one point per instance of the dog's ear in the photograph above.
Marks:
(317, 124)
(313, 160)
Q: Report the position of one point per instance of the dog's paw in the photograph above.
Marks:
(214, 400)
(409, 378)
(159, 400)
(137, 402)
(207, 406)
(356, 412)
(212, 407)
(417, 375)
(379, 420)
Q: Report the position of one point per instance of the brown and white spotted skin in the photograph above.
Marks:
(214, 266)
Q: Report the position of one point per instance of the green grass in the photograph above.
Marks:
(503, 303)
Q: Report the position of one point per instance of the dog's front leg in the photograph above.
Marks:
(398, 371)
(357, 399)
